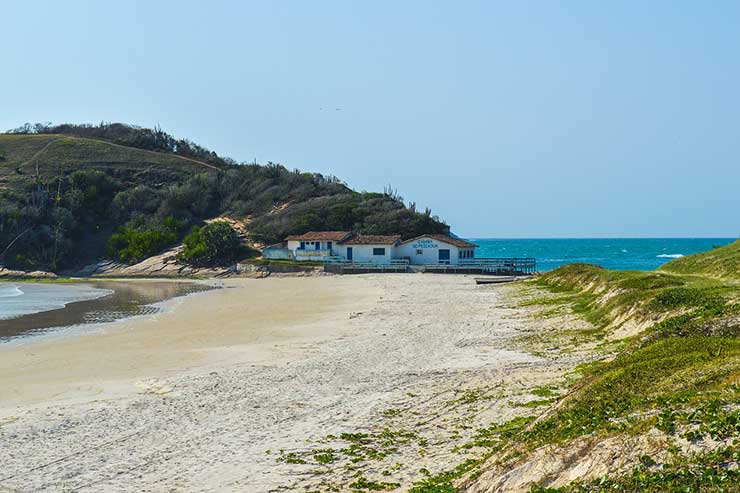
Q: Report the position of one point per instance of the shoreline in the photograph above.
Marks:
(121, 300)
(75, 293)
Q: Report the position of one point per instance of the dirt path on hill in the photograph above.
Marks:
(46, 147)
(40, 151)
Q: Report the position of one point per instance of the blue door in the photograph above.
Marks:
(444, 256)
(317, 245)
(328, 246)
(349, 253)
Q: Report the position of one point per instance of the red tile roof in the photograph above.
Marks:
(450, 240)
(282, 244)
(320, 236)
(372, 240)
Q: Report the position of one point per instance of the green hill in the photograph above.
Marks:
(722, 262)
(52, 154)
(65, 190)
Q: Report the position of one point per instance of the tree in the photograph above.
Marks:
(213, 244)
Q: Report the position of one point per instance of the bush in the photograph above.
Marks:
(212, 244)
(130, 244)
(21, 262)
(686, 297)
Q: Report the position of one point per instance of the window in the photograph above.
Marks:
(378, 251)
(420, 251)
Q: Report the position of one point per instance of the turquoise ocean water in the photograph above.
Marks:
(612, 253)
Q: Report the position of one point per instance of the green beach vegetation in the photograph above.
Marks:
(138, 240)
(720, 262)
(678, 372)
(213, 244)
(72, 194)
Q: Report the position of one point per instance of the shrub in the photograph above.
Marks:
(212, 244)
(21, 262)
(686, 297)
(130, 244)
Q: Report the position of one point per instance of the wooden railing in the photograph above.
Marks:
(501, 266)
(509, 265)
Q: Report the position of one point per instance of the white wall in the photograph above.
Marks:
(294, 245)
(310, 252)
(429, 248)
(277, 253)
(364, 253)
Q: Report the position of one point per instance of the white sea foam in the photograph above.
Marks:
(670, 255)
(10, 291)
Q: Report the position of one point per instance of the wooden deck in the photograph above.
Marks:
(488, 266)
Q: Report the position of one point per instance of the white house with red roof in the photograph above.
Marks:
(316, 245)
(374, 249)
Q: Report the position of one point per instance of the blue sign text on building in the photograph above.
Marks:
(426, 243)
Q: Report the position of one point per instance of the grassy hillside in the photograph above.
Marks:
(50, 155)
(717, 262)
(66, 190)
(671, 369)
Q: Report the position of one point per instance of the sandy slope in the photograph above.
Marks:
(203, 398)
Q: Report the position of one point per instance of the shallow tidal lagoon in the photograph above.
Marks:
(28, 308)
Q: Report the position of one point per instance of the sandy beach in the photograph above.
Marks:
(235, 389)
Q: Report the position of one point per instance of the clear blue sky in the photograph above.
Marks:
(508, 119)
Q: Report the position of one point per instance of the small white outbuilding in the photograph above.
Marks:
(316, 245)
(369, 249)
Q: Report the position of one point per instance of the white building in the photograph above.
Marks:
(316, 245)
(435, 249)
(369, 249)
(377, 249)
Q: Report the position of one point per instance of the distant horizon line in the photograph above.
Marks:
(473, 237)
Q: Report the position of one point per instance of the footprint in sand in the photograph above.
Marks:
(153, 386)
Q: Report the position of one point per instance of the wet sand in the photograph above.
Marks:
(128, 299)
(235, 324)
